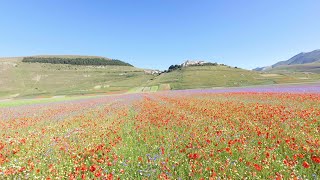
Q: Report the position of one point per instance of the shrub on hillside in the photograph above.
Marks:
(174, 67)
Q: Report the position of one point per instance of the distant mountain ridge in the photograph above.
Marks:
(261, 68)
(299, 59)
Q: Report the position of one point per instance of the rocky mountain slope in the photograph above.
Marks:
(302, 62)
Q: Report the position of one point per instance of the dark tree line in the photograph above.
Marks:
(76, 61)
(174, 67)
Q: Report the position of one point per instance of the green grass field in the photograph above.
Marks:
(36, 79)
(20, 102)
(29, 80)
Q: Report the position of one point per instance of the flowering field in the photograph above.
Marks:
(259, 133)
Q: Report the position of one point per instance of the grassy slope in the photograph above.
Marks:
(223, 76)
(35, 79)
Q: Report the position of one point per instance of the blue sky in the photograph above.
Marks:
(158, 33)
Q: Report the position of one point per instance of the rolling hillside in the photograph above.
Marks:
(34, 79)
(18, 78)
(225, 76)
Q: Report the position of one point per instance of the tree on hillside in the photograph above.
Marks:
(95, 61)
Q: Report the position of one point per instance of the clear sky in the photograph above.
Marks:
(158, 33)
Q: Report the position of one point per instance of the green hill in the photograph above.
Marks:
(33, 79)
(225, 76)
(18, 78)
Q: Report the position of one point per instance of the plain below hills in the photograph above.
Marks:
(38, 77)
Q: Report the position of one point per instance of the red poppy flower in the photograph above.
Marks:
(194, 156)
(92, 168)
(316, 159)
(97, 174)
(305, 164)
(257, 167)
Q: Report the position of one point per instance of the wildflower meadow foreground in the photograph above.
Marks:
(254, 133)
